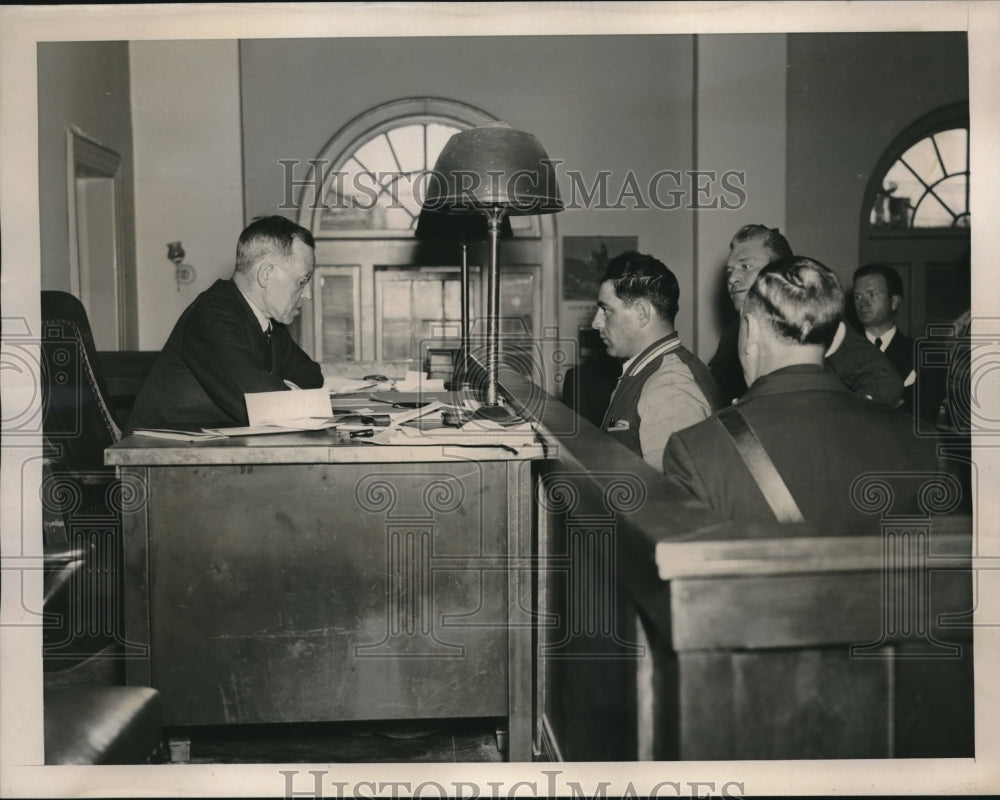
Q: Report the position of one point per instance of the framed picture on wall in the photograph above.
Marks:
(584, 260)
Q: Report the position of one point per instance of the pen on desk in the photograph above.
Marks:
(367, 432)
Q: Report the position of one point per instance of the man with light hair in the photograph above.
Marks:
(794, 444)
(863, 370)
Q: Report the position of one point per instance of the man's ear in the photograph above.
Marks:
(643, 311)
(264, 269)
(894, 302)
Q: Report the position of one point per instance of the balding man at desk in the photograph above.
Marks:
(792, 447)
(232, 339)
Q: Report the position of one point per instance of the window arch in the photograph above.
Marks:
(369, 178)
(922, 179)
(379, 295)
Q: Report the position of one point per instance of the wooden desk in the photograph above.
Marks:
(301, 577)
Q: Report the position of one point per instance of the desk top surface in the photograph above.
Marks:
(328, 446)
(300, 447)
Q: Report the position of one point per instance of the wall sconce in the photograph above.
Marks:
(185, 272)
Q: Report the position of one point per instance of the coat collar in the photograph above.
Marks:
(796, 378)
(638, 363)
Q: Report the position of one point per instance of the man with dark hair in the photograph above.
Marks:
(878, 294)
(663, 387)
(232, 339)
(862, 370)
(793, 446)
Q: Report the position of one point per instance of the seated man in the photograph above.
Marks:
(864, 371)
(878, 295)
(818, 436)
(663, 387)
(232, 339)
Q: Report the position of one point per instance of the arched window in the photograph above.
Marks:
(928, 185)
(916, 217)
(380, 295)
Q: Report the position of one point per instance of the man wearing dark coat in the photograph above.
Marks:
(819, 436)
(233, 339)
(863, 371)
(878, 295)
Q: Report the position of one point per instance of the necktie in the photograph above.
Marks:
(878, 342)
(270, 346)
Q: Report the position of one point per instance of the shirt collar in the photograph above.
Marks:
(262, 318)
(885, 337)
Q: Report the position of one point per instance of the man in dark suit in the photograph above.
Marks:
(818, 435)
(864, 371)
(878, 295)
(232, 339)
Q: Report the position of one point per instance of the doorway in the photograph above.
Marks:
(95, 246)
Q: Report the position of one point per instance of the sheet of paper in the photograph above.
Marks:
(179, 436)
(288, 409)
(257, 430)
(334, 384)
(419, 382)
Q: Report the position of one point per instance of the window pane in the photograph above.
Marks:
(516, 301)
(376, 156)
(349, 201)
(408, 143)
(437, 136)
(395, 300)
(396, 339)
(931, 214)
(954, 149)
(923, 159)
(428, 299)
(952, 192)
(337, 303)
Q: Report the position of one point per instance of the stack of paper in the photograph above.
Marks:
(478, 433)
(279, 412)
(179, 436)
(336, 385)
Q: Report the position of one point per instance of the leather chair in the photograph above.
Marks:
(79, 494)
(88, 718)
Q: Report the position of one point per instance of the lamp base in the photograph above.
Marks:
(502, 415)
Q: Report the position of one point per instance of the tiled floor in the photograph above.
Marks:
(419, 741)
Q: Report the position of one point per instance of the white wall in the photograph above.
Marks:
(188, 171)
(740, 125)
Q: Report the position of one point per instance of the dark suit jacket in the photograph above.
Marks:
(923, 397)
(216, 353)
(820, 436)
(860, 365)
(900, 353)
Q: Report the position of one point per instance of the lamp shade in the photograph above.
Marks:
(490, 166)
(458, 227)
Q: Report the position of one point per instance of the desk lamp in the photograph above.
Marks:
(493, 170)
(465, 229)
